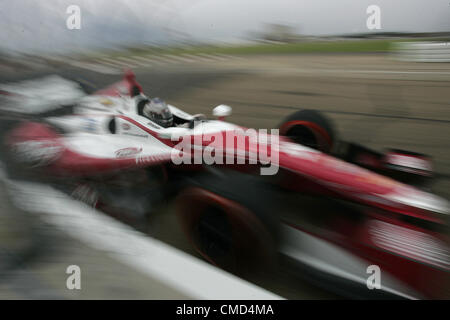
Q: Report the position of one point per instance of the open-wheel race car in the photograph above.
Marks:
(327, 210)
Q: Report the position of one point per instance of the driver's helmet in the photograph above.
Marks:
(158, 111)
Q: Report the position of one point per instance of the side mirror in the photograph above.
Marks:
(222, 111)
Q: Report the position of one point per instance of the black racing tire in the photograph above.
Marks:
(310, 128)
(230, 220)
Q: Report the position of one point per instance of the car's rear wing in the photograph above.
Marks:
(128, 86)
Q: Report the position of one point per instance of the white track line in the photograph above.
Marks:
(115, 62)
(95, 67)
(206, 57)
(188, 58)
(110, 60)
(159, 60)
(222, 57)
(128, 61)
(103, 61)
(395, 72)
(144, 61)
(115, 65)
(180, 58)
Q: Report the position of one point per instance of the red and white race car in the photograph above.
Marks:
(233, 186)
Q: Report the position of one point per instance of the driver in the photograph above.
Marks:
(157, 110)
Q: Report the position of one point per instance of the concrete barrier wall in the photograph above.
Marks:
(422, 51)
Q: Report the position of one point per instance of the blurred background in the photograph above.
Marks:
(383, 76)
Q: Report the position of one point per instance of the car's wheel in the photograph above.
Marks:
(309, 128)
(229, 219)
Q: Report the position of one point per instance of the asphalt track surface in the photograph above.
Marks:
(372, 99)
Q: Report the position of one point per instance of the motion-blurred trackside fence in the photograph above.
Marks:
(422, 51)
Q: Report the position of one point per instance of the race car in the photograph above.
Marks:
(247, 199)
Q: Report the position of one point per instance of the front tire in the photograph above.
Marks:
(230, 221)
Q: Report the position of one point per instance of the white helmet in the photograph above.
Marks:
(158, 111)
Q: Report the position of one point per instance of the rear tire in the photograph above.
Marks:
(310, 128)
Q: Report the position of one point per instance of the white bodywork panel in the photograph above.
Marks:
(89, 133)
(107, 146)
(39, 95)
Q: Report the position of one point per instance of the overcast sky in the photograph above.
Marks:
(30, 24)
